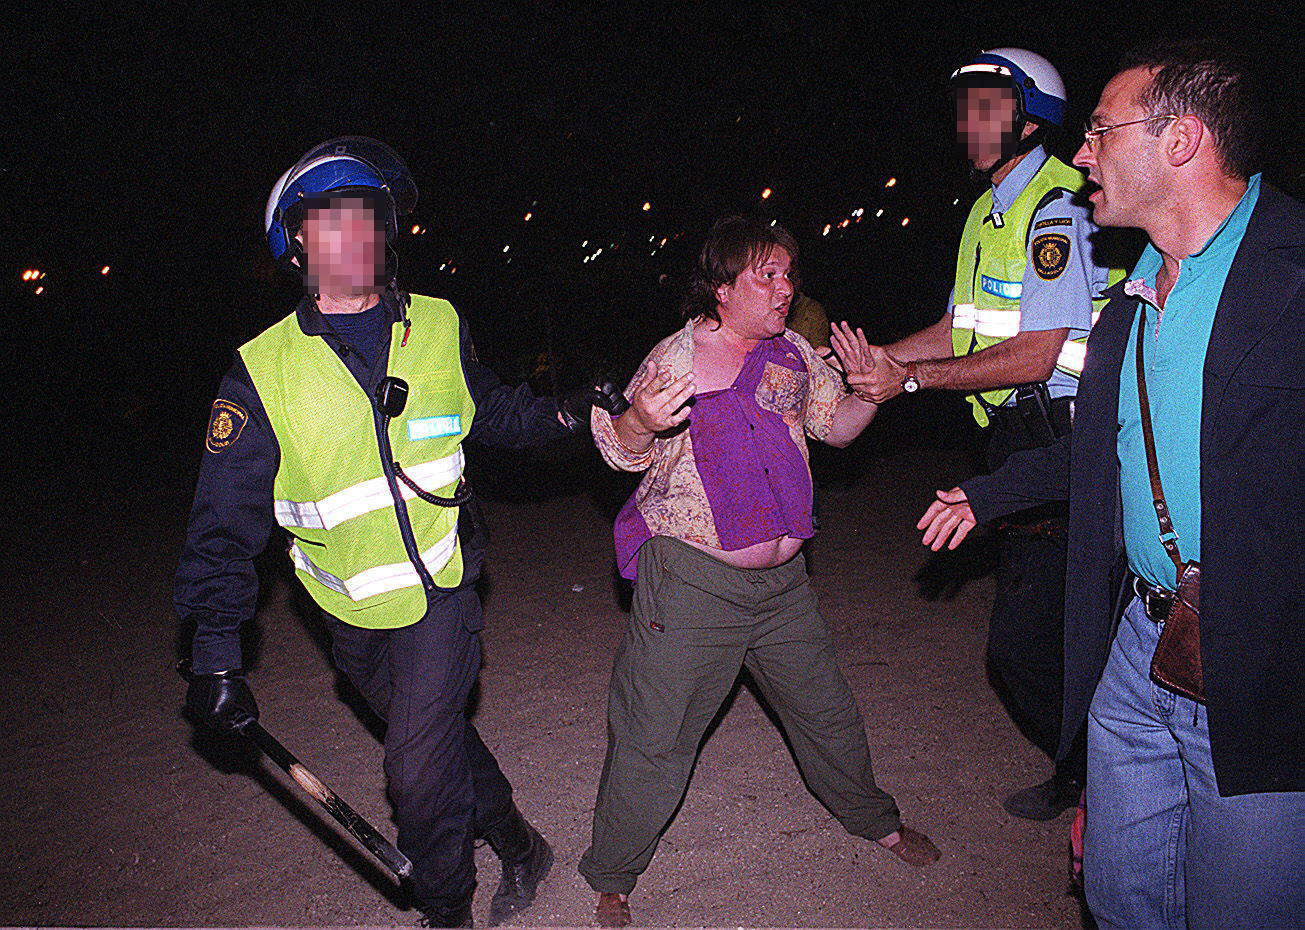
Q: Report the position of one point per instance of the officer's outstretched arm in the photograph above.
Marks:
(507, 417)
(931, 342)
(1024, 358)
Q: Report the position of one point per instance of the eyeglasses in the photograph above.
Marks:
(1092, 134)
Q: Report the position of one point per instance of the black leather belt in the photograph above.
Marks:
(1156, 601)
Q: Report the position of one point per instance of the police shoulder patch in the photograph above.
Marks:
(224, 425)
(1050, 255)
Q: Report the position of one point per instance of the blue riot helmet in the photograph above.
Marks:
(338, 167)
(1039, 93)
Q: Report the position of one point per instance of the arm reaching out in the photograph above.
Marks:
(949, 516)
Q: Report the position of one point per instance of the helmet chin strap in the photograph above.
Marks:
(1014, 144)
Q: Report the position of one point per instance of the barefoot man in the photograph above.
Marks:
(711, 539)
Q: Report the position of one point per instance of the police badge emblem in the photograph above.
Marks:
(1050, 255)
(224, 425)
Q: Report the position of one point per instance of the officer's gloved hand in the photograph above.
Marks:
(221, 701)
(575, 405)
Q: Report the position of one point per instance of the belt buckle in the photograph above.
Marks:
(1155, 601)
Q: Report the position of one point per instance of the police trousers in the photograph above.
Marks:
(445, 785)
(696, 622)
(1026, 633)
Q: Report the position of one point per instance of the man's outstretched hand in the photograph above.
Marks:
(948, 520)
(872, 374)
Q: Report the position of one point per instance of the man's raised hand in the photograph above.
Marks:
(851, 348)
(660, 402)
(949, 516)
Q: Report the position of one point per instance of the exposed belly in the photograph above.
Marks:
(766, 554)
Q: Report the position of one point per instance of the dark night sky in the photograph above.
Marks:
(147, 120)
(148, 139)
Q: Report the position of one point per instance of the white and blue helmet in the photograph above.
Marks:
(1039, 91)
(337, 167)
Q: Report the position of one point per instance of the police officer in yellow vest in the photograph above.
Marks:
(344, 424)
(1025, 297)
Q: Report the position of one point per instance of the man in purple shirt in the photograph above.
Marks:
(712, 538)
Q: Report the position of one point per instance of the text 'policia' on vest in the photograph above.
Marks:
(337, 495)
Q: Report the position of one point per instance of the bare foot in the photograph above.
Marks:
(613, 910)
(911, 847)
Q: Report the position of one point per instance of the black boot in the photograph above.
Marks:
(1046, 801)
(526, 858)
(459, 915)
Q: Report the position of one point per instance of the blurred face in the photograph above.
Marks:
(755, 305)
(345, 246)
(1126, 162)
(985, 116)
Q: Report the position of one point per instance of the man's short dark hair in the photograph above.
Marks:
(734, 244)
(1209, 81)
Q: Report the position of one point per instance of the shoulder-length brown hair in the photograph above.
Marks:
(734, 244)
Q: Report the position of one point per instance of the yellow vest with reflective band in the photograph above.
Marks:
(332, 495)
(990, 274)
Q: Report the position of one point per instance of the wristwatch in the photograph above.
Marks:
(910, 384)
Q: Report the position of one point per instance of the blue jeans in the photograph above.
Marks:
(1161, 847)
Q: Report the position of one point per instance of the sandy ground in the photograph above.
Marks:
(115, 813)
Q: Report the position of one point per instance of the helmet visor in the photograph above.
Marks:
(387, 163)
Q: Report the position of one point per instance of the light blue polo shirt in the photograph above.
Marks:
(1175, 364)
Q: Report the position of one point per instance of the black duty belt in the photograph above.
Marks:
(1033, 425)
(1156, 601)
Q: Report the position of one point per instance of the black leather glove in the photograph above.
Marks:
(575, 405)
(221, 701)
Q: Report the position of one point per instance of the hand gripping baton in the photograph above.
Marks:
(360, 829)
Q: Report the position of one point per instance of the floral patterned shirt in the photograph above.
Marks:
(736, 473)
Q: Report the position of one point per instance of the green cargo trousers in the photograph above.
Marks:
(695, 623)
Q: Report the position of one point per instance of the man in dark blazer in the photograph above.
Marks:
(1195, 810)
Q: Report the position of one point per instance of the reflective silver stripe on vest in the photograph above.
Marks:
(1071, 356)
(1004, 324)
(997, 324)
(382, 578)
(367, 496)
